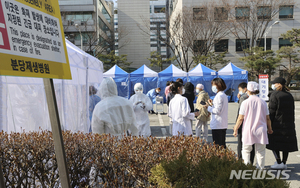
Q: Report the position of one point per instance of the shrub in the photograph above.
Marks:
(29, 158)
(208, 172)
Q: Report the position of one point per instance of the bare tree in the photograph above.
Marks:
(193, 32)
(250, 19)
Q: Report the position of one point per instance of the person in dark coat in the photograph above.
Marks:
(189, 94)
(282, 115)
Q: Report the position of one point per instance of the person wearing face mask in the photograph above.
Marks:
(242, 96)
(201, 124)
(152, 94)
(219, 112)
(282, 115)
(180, 112)
(141, 105)
(254, 114)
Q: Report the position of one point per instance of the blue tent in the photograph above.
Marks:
(172, 73)
(233, 76)
(202, 75)
(145, 76)
(121, 78)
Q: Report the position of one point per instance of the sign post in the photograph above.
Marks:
(264, 87)
(32, 44)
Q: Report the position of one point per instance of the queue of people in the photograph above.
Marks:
(258, 126)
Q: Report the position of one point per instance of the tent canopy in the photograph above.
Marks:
(233, 76)
(24, 104)
(232, 70)
(204, 75)
(121, 78)
(143, 75)
(115, 72)
(201, 70)
(143, 71)
(172, 71)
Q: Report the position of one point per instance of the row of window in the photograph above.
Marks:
(104, 12)
(79, 16)
(240, 44)
(243, 13)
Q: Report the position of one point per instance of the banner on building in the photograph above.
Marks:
(264, 87)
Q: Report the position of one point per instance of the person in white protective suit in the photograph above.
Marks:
(141, 105)
(113, 114)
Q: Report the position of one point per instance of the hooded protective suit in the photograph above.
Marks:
(141, 105)
(113, 114)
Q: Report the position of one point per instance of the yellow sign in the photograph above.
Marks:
(32, 41)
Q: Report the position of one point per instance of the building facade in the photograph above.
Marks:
(288, 17)
(134, 19)
(158, 26)
(94, 19)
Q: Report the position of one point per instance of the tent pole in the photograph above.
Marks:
(88, 123)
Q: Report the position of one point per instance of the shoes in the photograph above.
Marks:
(280, 166)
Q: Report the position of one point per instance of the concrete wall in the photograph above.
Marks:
(296, 94)
(131, 15)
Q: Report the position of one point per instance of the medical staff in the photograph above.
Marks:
(219, 112)
(141, 104)
(152, 94)
(113, 114)
(254, 115)
(180, 112)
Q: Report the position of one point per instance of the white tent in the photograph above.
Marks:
(23, 101)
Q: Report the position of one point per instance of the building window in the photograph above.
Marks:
(242, 44)
(220, 13)
(284, 42)
(160, 9)
(264, 12)
(85, 38)
(286, 11)
(105, 12)
(102, 25)
(199, 46)
(79, 16)
(242, 13)
(221, 46)
(261, 43)
(200, 13)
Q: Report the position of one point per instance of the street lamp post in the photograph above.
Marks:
(266, 33)
(77, 27)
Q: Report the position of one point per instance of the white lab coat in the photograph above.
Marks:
(180, 112)
(113, 114)
(141, 105)
(219, 111)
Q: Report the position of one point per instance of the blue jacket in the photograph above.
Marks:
(152, 95)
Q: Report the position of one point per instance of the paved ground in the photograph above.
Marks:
(160, 128)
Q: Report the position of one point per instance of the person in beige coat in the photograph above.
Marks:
(203, 118)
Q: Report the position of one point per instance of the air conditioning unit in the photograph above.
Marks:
(83, 23)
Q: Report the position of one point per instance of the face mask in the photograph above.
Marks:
(241, 93)
(157, 91)
(273, 87)
(197, 91)
(214, 89)
(183, 91)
